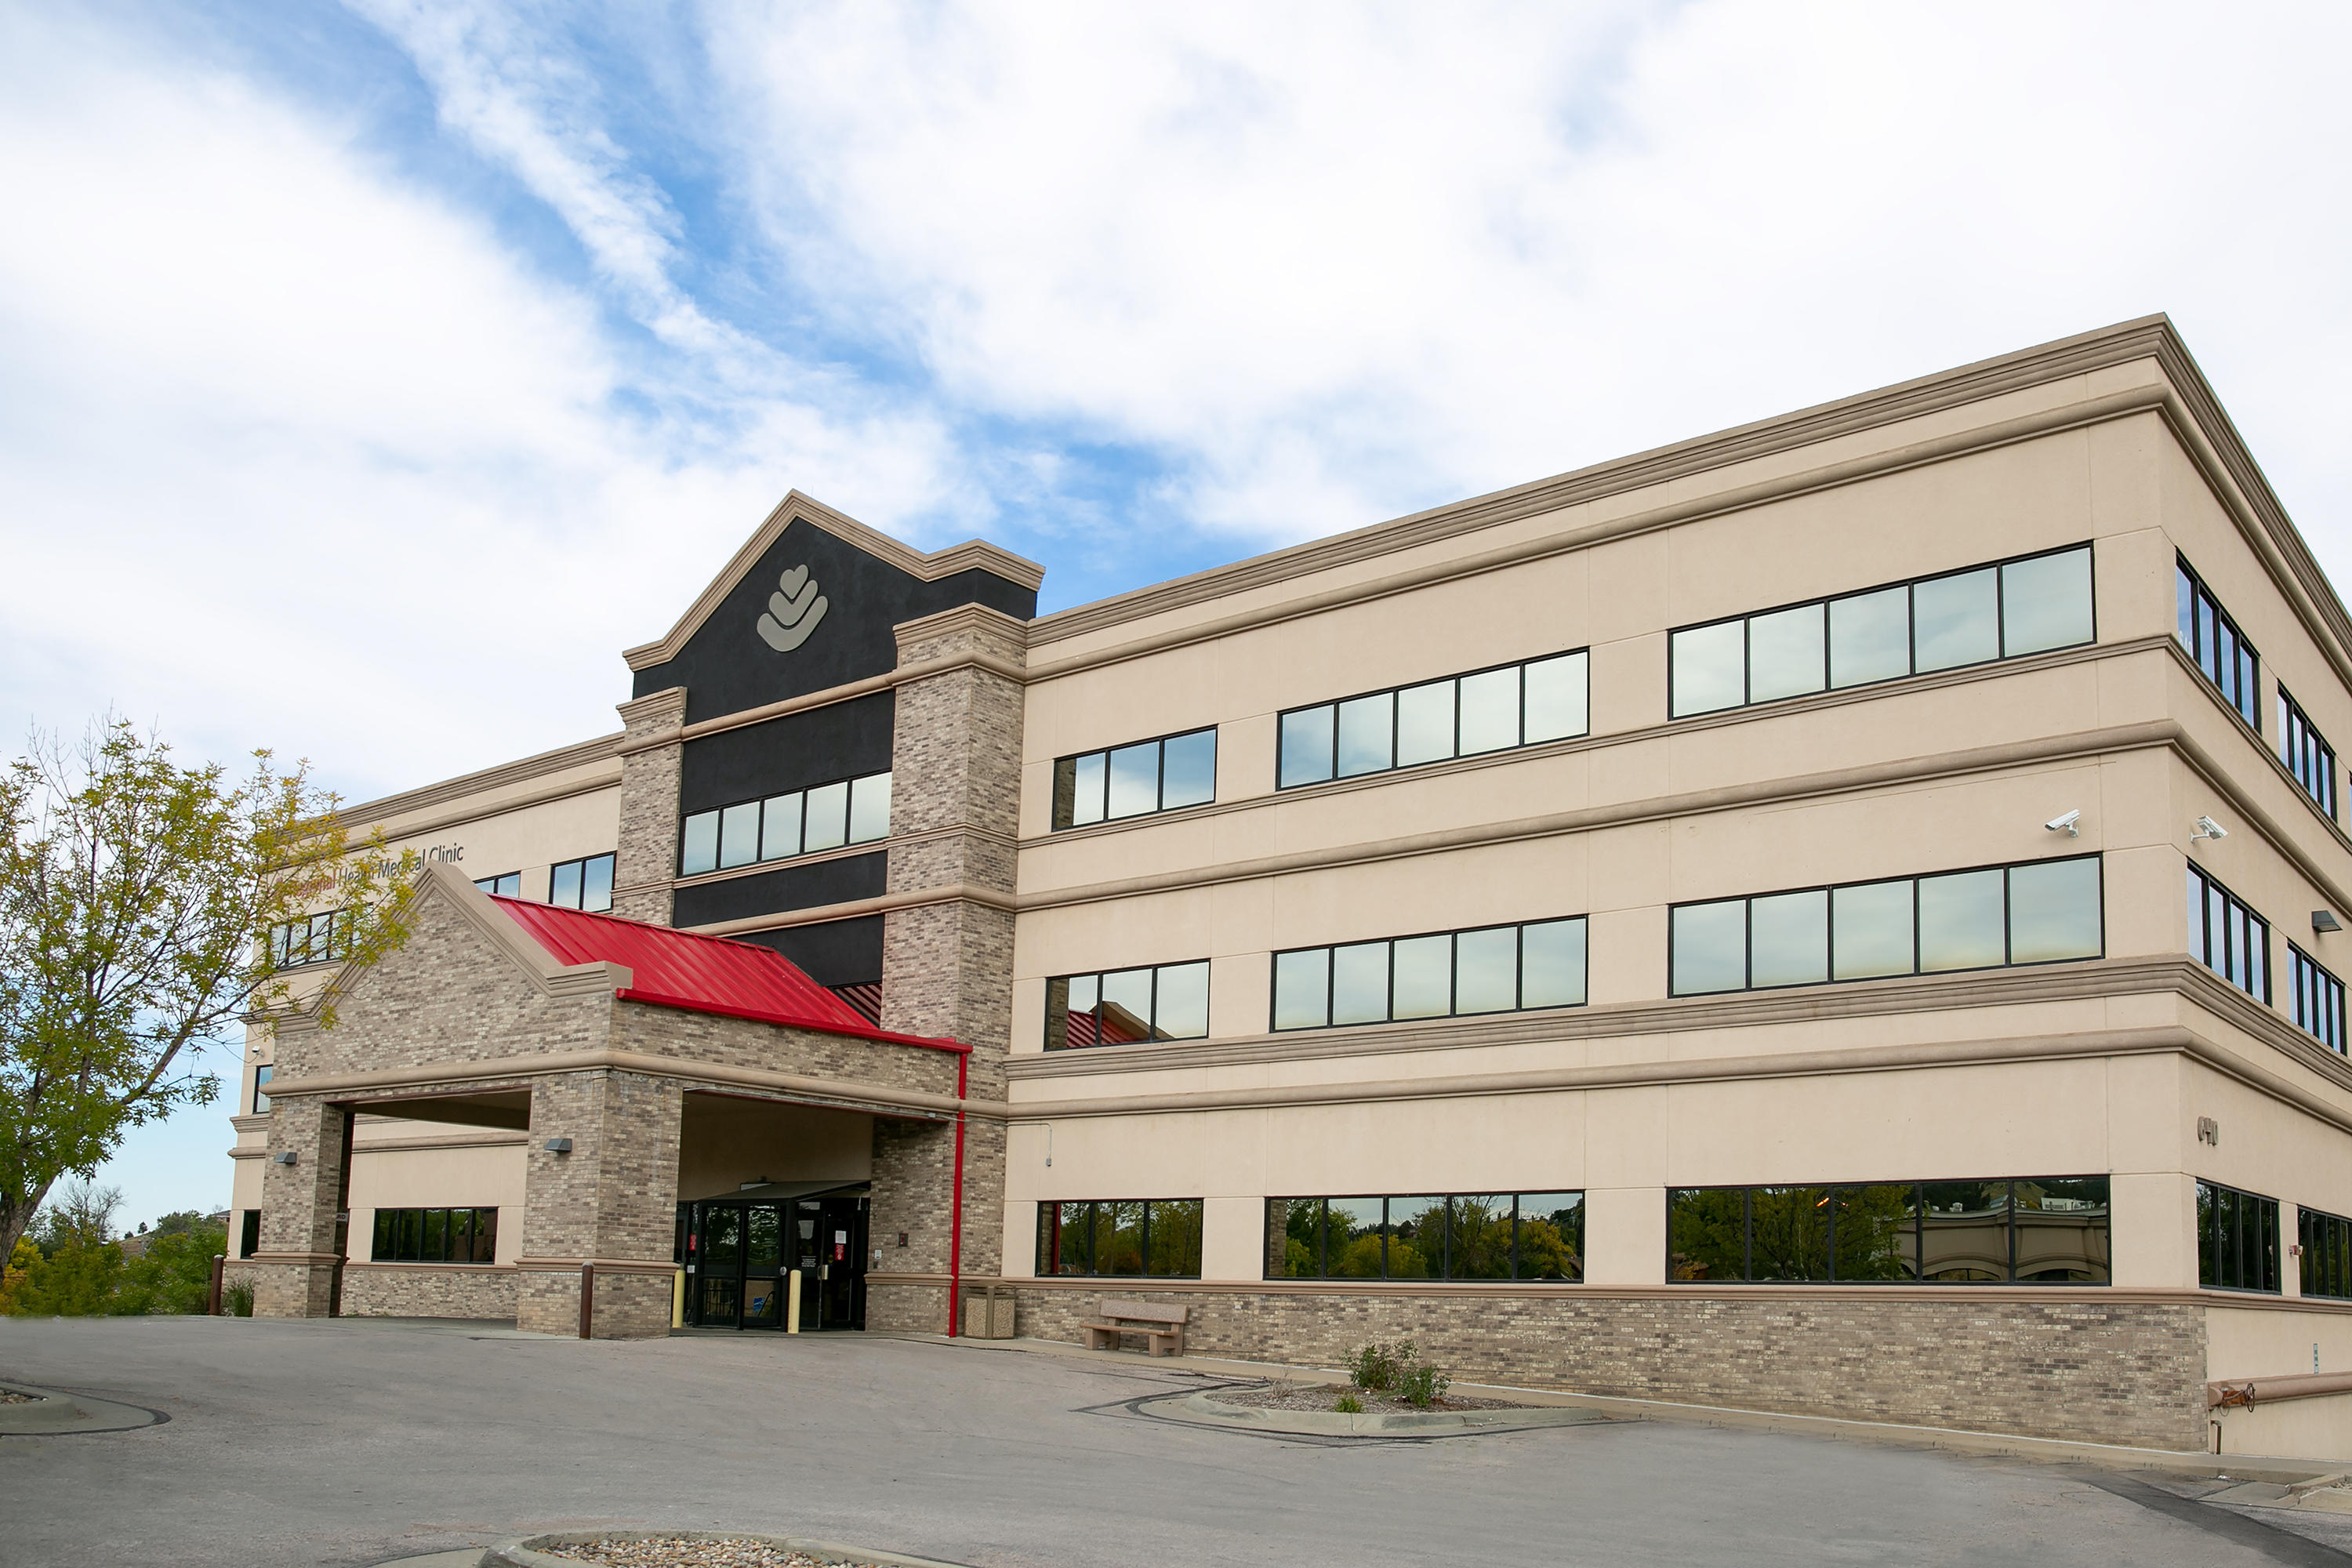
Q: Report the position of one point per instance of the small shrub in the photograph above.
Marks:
(1375, 1367)
(1421, 1386)
(1347, 1405)
(238, 1297)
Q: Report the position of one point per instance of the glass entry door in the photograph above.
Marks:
(828, 1246)
(739, 1256)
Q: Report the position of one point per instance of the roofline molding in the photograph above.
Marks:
(973, 554)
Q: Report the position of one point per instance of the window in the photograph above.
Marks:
(2237, 1239)
(581, 884)
(2005, 610)
(1165, 1001)
(261, 1101)
(507, 885)
(2043, 912)
(1159, 1238)
(2048, 1230)
(436, 1236)
(314, 938)
(828, 816)
(2318, 999)
(1137, 779)
(2227, 937)
(1503, 1235)
(248, 1233)
(2306, 754)
(2327, 1253)
(2215, 644)
(1493, 969)
(1459, 716)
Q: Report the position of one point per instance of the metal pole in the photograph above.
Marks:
(792, 1304)
(587, 1299)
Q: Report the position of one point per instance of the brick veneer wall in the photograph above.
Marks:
(428, 1290)
(2124, 1373)
(613, 1197)
(645, 863)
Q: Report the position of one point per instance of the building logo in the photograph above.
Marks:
(792, 613)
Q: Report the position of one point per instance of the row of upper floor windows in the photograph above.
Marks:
(583, 884)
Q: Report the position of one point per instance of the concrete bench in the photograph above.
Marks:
(1162, 1325)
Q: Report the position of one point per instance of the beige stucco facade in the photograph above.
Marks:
(2137, 1064)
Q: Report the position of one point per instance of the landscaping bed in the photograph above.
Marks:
(1279, 1395)
(696, 1551)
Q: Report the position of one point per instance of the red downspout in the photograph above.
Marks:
(955, 1219)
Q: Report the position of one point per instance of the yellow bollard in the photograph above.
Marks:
(678, 1299)
(792, 1305)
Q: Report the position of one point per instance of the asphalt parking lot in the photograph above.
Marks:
(356, 1442)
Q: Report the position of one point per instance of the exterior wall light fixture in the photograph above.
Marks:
(2208, 828)
(2324, 920)
(284, 1159)
(559, 1145)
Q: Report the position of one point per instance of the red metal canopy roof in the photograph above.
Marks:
(699, 973)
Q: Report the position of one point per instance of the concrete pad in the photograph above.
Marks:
(57, 1413)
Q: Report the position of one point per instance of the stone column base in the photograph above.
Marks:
(291, 1284)
(633, 1300)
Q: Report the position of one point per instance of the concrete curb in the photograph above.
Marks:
(60, 1414)
(1202, 1407)
(523, 1550)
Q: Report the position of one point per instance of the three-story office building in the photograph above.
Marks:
(1841, 915)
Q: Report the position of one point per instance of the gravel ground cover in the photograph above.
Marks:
(10, 1396)
(686, 1552)
(1323, 1396)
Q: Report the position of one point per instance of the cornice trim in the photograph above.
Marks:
(974, 554)
(605, 747)
(922, 669)
(881, 904)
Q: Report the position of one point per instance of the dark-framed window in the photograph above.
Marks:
(1120, 1006)
(2227, 937)
(805, 822)
(2005, 610)
(505, 885)
(2327, 1258)
(2318, 999)
(2306, 754)
(1445, 1235)
(436, 1236)
(1125, 1238)
(248, 1234)
(260, 1079)
(2237, 1239)
(1136, 779)
(1440, 974)
(2216, 645)
(2038, 1230)
(1495, 709)
(1990, 916)
(584, 884)
(322, 938)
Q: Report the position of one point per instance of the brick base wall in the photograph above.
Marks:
(424, 1290)
(915, 1309)
(628, 1305)
(2124, 1373)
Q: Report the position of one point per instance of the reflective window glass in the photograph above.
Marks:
(1416, 1238)
(1188, 770)
(2062, 1230)
(1789, 939)
(1877, 1234)
(596, 883)
(1871, 927)
(1557, 698)
(1135, 780)
(2046, 603)
(869, 808)
(780, 826)
(1425, 717)
(1478, 1238)
(738, 835)
(1352, 1238)
(1789, 1234)
(827, 822)
(1367, 735)
(2054, 911)
(1424, 976)
(1302, 989)
(1174, 1226)
(1490, 710)
(1710, 668)
(1294, 1238)
(1960, 921)
(1307, 745)
(563, 885)
(698, 851)
(1127, 1005)
(1956, 620)
(1710, 947)
(1485, 970)
(1551, 964)
(1180, 1008)
(1088, 784)
(1707, 1234)
(722, 1236)
(1551, 1236)
(1964, 1229)
(1784, 654)
(1360, 983)
(1870, 636)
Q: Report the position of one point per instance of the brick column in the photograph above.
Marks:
(293, 1270)
(946, 966)
(611, 1199)
(646, 860)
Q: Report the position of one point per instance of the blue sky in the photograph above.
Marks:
(376, 373)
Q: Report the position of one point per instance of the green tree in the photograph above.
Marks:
(175, 1273)
(136, 899)
(79, 1264)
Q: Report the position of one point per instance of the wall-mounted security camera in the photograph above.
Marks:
(2208, 828)
(2069, 824)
